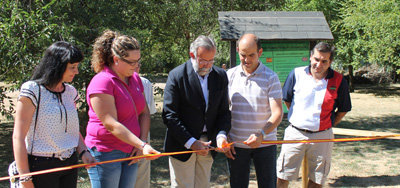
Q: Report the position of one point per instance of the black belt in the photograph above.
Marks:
(308, 131)
(40, 158)
(204, 133)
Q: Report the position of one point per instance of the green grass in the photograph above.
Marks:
(6, 152)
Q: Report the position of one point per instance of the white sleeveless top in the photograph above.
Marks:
(57, 129)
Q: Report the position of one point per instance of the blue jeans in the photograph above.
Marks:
(264, 160)
(112, 175)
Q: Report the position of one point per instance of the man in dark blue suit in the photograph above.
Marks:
(196, 113)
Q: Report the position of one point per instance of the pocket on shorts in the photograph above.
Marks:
(280, 163)
(324, 166)
(327, 167)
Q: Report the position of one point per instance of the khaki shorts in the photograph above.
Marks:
(318, 155)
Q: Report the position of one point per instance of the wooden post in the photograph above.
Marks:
(355, 132)
(233, 54)
(304, 172)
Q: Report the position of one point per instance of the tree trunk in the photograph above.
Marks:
(351, 78)
(395, 76)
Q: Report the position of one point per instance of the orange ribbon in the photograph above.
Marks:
(329, 140)
(97, 163)
(186, 152)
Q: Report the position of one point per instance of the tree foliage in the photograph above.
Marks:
(328, 7)
(375, 29)
(26, 29)
(364, 30)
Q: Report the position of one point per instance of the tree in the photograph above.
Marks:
(164, 28)
(26, 29)
(368, 31)
(328, 7)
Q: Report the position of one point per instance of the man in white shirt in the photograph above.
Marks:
(255, 97)
(143, 174)
(317, 98)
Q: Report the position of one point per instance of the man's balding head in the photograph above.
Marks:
(250, 39)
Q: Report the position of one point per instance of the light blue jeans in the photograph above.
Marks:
(112, 175)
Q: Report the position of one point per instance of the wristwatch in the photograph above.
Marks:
(263, 133)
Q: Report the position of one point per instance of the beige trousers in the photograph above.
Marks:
(143, 172)
(193, 173)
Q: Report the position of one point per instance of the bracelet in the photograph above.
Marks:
(143, 145)
(83, 152)
(25, 179)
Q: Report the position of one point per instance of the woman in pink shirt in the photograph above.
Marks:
(119, 118)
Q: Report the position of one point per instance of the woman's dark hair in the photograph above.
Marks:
(51, 68)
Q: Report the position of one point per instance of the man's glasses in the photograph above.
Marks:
(133, 63)
(203, 62)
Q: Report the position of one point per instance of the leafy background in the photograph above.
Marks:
(365, 31)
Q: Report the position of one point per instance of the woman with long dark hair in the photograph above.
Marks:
(46, 131)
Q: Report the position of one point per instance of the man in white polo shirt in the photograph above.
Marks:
(317, 98)
(143, 172)
(255, 96)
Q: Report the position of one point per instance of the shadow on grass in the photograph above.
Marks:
(365, 148)
(389, 123)
(6, 151)
(379, 90)
(371, 181)
(159, 176)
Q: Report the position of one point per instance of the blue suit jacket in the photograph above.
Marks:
(185, 113)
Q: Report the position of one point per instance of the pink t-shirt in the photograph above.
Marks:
(107, 82)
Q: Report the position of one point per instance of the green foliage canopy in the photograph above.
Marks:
(364, 31)
(368, 31)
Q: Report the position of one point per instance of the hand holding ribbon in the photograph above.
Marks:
(201, 147)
